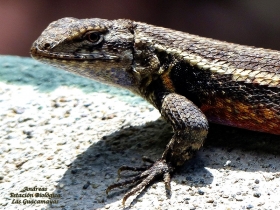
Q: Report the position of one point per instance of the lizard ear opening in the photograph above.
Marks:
(94, 37)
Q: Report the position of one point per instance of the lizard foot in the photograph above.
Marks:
(145, 177)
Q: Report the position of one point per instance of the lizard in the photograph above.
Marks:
(190, 79)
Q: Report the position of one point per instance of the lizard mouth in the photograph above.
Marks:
(38, 53)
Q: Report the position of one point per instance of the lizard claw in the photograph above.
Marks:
(158, 168)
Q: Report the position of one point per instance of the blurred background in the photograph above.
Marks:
(249, 22)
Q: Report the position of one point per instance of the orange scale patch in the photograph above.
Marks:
(238, 114)
(167, 82)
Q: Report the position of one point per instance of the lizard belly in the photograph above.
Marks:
(242, 115)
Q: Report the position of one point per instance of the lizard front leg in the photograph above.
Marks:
(190, 129)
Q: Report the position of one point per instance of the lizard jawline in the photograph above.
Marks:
(36, 52)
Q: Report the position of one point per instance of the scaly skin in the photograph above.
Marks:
(190, 79)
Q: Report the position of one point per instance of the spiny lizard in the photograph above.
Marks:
(190, 79)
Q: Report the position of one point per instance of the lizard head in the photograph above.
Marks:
(95, 48)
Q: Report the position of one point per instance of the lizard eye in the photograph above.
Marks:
(94, 37)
